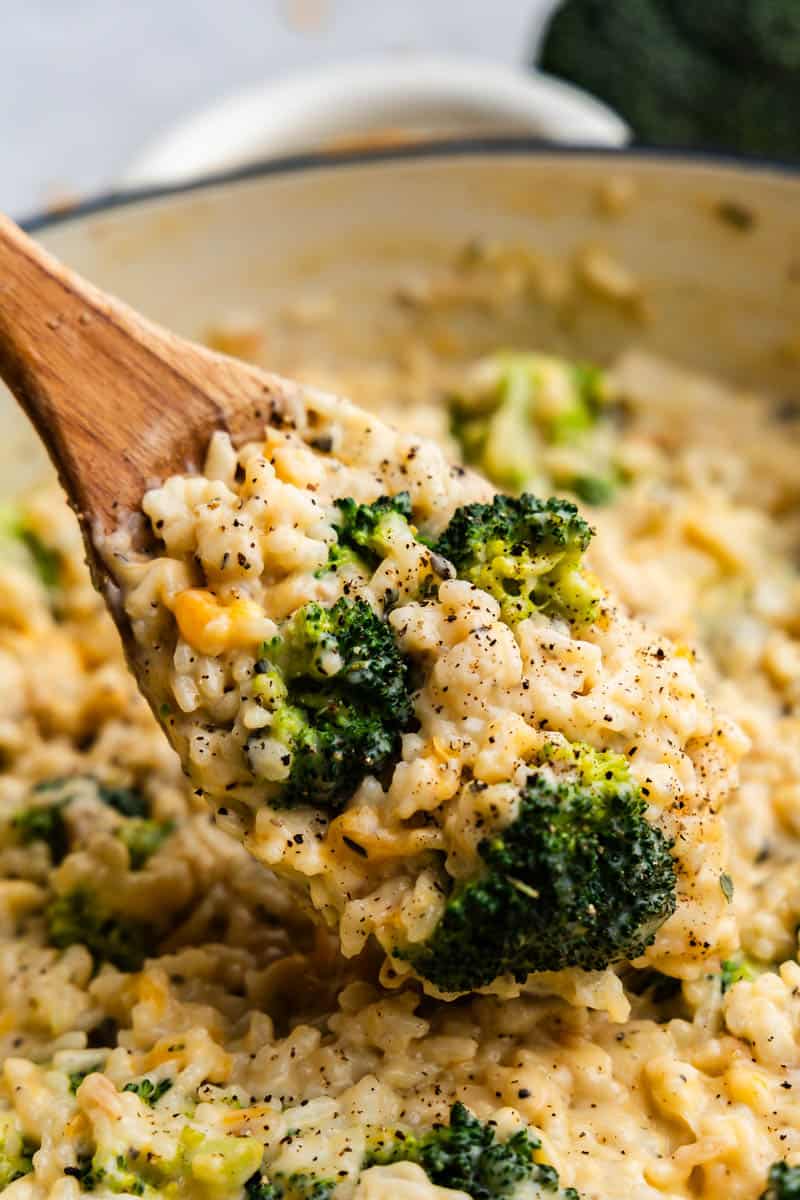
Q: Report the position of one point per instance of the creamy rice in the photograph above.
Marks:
(272, 1044)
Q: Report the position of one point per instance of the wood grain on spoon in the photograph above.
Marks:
(119, 402)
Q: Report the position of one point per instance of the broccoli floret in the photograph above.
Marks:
(783, 1183)
(47, 823)
(720, 74)
(733, 970)
(527, 553)
(128, 802)
(44, 823)
(112, 1174)
(596, 490)
(518, 405)
(364, 530)
(16, 1152)
(19, 544)
(339, 691)
(148, 1090)
(465, 1156)
(579, 878)
(76, 1078)
(143, 836)
(201, 1164)
(296, 1186)
(80, 917)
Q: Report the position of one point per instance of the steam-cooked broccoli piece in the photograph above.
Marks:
(338, 690)
(44, 820)
(722, 74)
(149, 1090)
(76, 1078)
(732, 970)
(16, 1153)
(143, 836)
(202, 1164)
(80, 917)
(783, 1183)
(21, 545)
(115, 1174)
(43, 823)
(466, 1156)
(515, 405)
(527, 553)
(296, 1186)
(579, 878)
(127, 801)
(364, 531)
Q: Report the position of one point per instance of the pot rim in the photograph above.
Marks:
(439, 148)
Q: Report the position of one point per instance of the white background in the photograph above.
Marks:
(85, 83)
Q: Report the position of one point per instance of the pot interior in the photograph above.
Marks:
(334, 264)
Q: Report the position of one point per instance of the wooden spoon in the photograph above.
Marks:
(119, 403)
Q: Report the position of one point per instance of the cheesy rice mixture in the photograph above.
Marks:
(247, 544)
(173, 1023)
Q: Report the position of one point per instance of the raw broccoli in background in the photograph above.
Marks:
(783, 1183)
(338, 688)
(722, 75)
(80, 917)
(527, 553)
(515, 405)
(579, 878)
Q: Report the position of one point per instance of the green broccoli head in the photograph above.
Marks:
(579, 878)
(80, 917)
(339, 692)
(115, 1175)
(517, 406)
(127, 801)
(519, 403)
(43, 823)
(21, 545)
(719, 74)
(733, 970)
(466, 1156)
(16, 1153)
(143, 836)
(364, 531)
(44, 820)
(149, 1090)
(527, 553)
(296, 1186)
(783, 1183)
(76, 1078)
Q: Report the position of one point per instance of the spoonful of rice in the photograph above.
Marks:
(406, 693)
